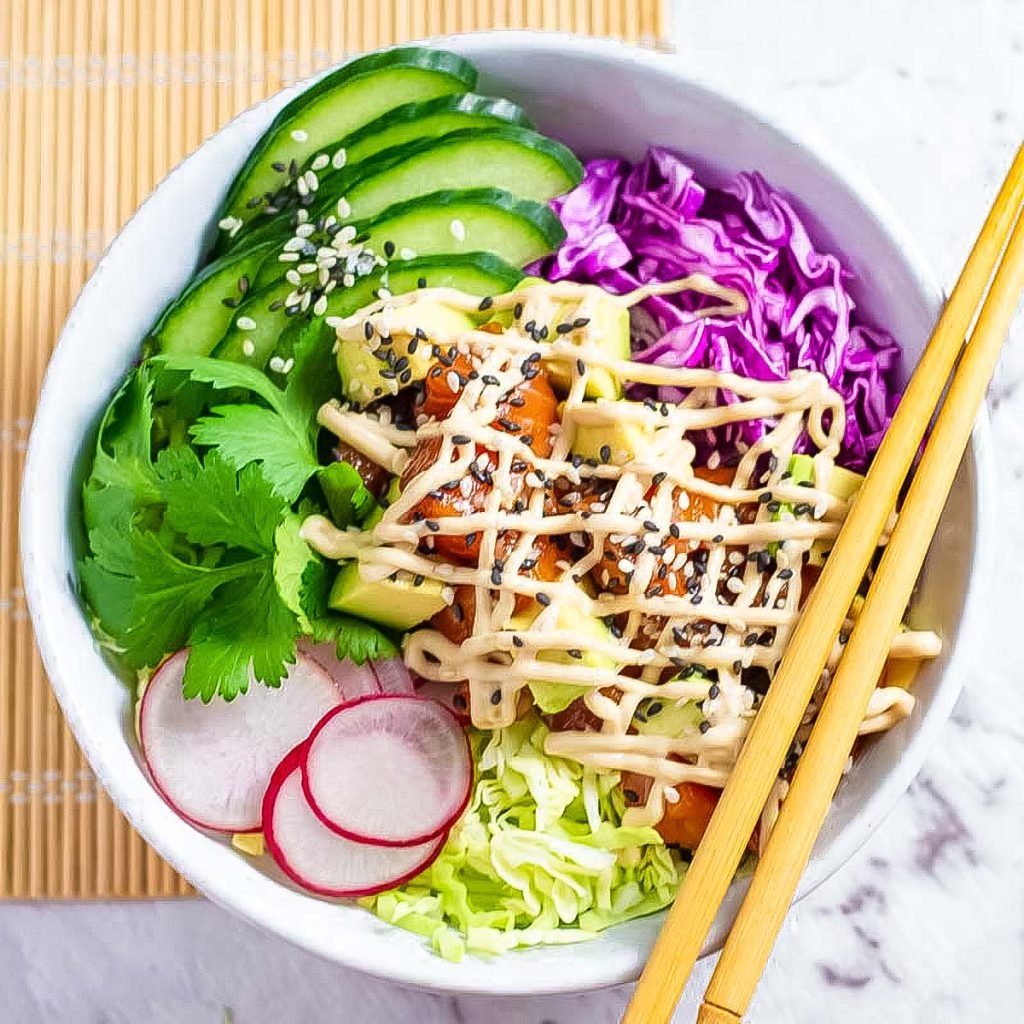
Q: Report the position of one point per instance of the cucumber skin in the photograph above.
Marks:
(248, 262)
(441, 61)
(541, 218)
(383, 162)
(492, 113)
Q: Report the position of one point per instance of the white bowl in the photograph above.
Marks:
(601, 98)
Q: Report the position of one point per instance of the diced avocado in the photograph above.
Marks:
(618, 442)
(397, 603)
(608, 328)
(799, 471)
(360, 368)
(657, 717)
(551, 696)
(842, 483)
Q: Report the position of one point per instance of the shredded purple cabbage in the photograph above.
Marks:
(628, 225)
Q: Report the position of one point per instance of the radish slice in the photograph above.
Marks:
(351, 679)
(320, 860)
(454, 696)
(212, 762)
(392, 675)
(392, 770)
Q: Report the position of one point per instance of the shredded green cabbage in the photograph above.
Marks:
(539, 857)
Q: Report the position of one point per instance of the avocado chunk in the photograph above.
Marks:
(658, 716)
(398, 603)
(412, 330)
(607, 327)
(552, 696)
(617, 442)
(843, 483)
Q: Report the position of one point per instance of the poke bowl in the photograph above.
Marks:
(320, 356)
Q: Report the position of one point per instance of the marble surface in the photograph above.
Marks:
(926, 923)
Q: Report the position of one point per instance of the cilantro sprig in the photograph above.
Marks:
(192, 511)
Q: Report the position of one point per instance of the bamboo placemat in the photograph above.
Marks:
(98, 100)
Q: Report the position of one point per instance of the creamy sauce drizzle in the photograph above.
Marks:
(733, 617)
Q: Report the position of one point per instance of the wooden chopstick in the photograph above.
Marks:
(821, 763)
(715, 861)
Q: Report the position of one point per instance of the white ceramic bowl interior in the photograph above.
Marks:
(601, 98)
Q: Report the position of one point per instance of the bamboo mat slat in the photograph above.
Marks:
(98, 100)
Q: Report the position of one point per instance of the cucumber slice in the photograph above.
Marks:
(518, 231)
(518, 160)
(474, 273)
(197, 319)
(341, 102)
(409, 123)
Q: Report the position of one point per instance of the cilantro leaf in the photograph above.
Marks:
(145, 597)
(348, 498)
(353, 638)
(244, 434)
(300, 573)
(280, 435)
(247, 626)
(210, 503)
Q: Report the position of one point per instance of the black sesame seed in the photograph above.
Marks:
(764, 497)
(496, 697)
(485, 303)
(786, 574)
(844, 638)
(231, 303)
(543, 599)
(658, 479)
(460, 439)
(279, 166)
(774, 506)
(574, 652)
(507, 424)
(606, 453)
(517, 640)
(517, 310)
(631, 795)
(563, 328)
(714, 689)
(367, 330)
(496, 577)
(389, 249)
(581, 367)
(750, 639)
(418, 580)
(433, 525)
(654, 708)
(580, 322)
(421, 282)
(704, 726)
(275, 305)
(674, 530)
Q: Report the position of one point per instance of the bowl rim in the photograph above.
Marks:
(37, 529)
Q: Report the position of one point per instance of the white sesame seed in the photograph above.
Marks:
(294, 244)
(598, 506)
(625, 565)
(293, 299)
(578, 539)
(448, 595)
(383, 293)
(305, 301)
(714, 460)
(466, 486)
(302, 216)
(304, 230)
(306, 268)
(683, 501)
(406, 253)
(532, 480)
(289, 257)
(276, 364)
(735, 558)
(231, 225)
(348, 280)
(245, 323)
(301, 187)
(248, 348)
(734, 585)
(288, 364)
(670, 554)
(453, 381)
(312, 181)
(320, 306)
(458, 230)
(320, 162)
(292, 277)
(338, 160)
(343, 208)
(300, 136)
(347, 233)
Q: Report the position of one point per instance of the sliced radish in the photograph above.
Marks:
(212, 762)
(393, 770)
(392, 675)
(320, 860)
(454, 696)
(351, 679)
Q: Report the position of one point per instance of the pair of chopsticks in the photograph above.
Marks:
(999, 251)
